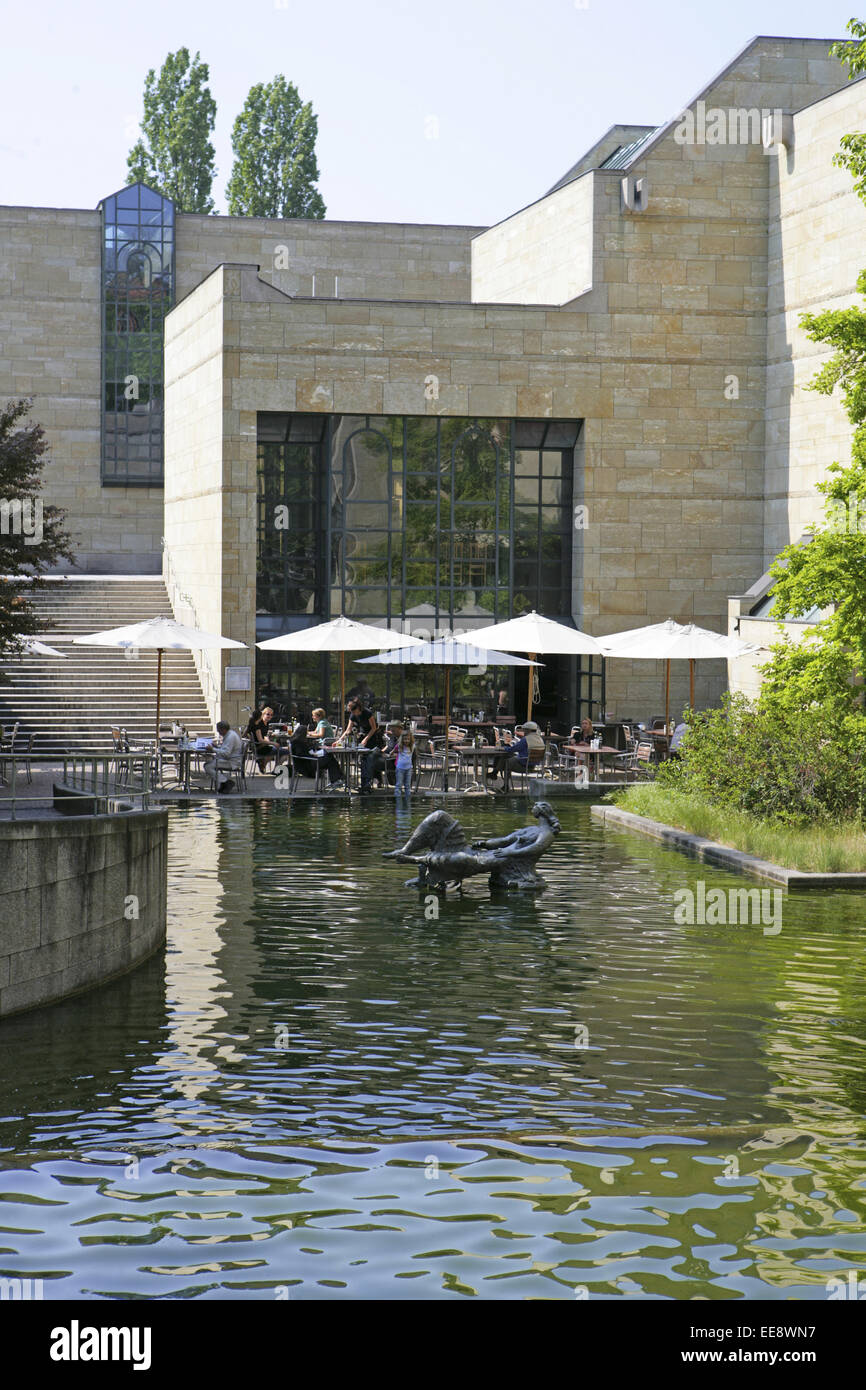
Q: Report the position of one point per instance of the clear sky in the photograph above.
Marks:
(455, 111)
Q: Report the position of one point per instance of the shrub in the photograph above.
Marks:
(794, 767)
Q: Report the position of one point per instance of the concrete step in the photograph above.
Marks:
(74, 702)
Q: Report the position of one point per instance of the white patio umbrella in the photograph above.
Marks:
(31, 646)
(670, 641)
(447, 652)
(341, 635)
(162, 635)
(538, 636)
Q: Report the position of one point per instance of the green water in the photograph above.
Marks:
(320, 1092)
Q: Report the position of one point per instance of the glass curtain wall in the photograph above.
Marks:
(423, 523)
(137, 293)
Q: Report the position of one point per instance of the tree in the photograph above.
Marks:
(852, 155)
(175, 155)
(829, 571)
(31, 535)
(274, 142)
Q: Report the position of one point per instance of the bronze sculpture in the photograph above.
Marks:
(444, 856)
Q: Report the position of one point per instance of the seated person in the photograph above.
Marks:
(527, 750)
(258, 733)
(384, 762)
(676, 739)
(324, 729)
(585, 733)
(517, 757)
(504, 739)
(305, 761)
(225, 756)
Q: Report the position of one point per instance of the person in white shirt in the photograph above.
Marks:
(226, 755)
(676, 739)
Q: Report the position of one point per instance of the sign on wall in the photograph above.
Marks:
(238, 677)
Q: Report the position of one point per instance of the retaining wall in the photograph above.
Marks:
(81, 901)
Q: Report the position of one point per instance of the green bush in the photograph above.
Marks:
(794, 767)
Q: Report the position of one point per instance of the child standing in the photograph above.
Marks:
(405, 750)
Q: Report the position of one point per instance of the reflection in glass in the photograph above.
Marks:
(440, 522)
(137, 293)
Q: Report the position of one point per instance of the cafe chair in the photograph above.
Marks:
(7, 749)
(638, 760)
(429, 763)
(236, 771)
(532, 769)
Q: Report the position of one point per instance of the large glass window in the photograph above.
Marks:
(290, 576)
(433, 523)
(137, 293)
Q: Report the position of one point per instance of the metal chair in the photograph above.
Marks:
(7, 748)
(638, 759)
(24, 755)
(536, 759)
(295, 773)
(236, 771)
(429, 762)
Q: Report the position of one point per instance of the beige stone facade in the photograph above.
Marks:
(51, 341)
(668, 327)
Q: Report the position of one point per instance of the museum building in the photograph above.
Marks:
(595, 408)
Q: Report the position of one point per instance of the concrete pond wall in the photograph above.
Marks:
(81, 900)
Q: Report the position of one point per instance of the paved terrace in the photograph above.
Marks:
(36, 799)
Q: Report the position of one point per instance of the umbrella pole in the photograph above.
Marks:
(531, 674)
(691, 684)
(667, 694)
(447, 724)
(342, 686)
(158, 691)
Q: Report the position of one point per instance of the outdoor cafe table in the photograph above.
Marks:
(589, 752)
(467, 751)
(350, 761)
(185, 753)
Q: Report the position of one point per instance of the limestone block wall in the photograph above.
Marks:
(81, 900)
(664, 359)
(194, 563)
(210, 484)
(50, 349)
(541, 255)
(817, 248)
(355, 260)
(675, 466)
(649, 549)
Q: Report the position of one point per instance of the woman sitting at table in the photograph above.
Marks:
(305, 760)
(585, 733)
(324, 728)
(257, 731)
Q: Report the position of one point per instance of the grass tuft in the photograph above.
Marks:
(826, 849)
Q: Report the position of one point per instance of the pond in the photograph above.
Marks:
(322, 1090)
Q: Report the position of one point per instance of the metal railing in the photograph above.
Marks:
(111, 783)
(203, 658)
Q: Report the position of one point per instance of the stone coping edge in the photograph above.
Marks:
(724, 856)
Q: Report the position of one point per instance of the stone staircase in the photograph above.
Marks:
(73, 703)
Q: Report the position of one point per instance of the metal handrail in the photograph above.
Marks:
(110, 779)
(180, 599)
